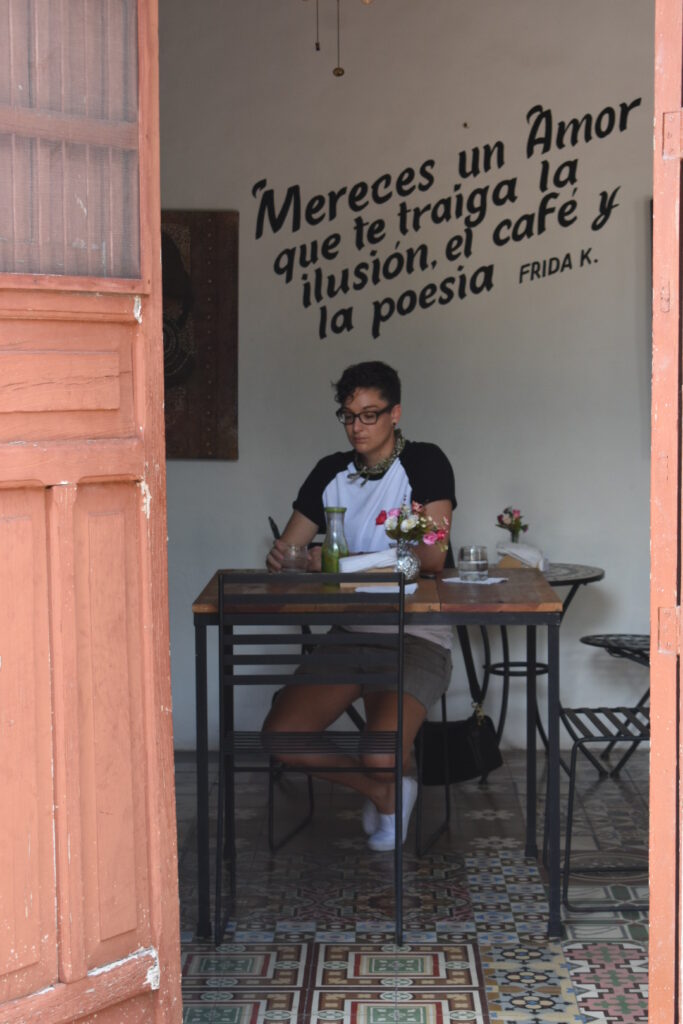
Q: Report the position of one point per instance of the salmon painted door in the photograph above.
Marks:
(665, 588)
(88, 872)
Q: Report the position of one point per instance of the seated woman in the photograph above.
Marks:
(382, 471)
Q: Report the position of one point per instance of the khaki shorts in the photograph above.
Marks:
(426, 667)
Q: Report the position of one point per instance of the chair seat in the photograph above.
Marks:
(634, 646)
(604, 724)
(260, 745)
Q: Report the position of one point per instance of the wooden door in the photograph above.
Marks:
(88, 872)
(665, 592)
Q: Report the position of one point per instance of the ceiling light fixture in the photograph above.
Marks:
(337, 71)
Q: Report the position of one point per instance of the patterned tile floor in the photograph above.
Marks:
(311, 936)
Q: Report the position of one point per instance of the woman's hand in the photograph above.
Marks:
(299, 530)
(275, 556)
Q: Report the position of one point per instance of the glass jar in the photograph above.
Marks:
(334, 546)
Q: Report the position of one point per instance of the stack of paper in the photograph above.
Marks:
(524, 553)
(373, 560)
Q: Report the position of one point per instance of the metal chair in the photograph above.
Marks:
(599, 726)
(605, 727)
(558, 574)
(275, 603)
(358, 720)
(633, 647)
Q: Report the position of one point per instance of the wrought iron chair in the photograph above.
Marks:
(633, 647)
(600, 726)
(275, 774)
(605, 727)
(275, 603)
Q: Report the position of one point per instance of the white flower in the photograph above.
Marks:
(409, 524)
(391, 523)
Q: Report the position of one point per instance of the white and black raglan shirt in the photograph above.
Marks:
(420, 473)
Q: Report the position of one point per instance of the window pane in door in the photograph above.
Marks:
(69, 197)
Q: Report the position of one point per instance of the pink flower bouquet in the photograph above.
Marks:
(410, 523)
(510, 519)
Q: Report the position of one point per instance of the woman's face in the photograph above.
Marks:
(372, 441)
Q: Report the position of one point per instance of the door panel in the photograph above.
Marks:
(112, 779)
(45, 381)
(68, 138)
(66, 380)
(27, 926)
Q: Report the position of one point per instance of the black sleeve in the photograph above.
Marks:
(430, 473)
(309, 500)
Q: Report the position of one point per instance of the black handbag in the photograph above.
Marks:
(471, 752)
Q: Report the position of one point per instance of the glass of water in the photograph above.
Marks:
(473, 563)
(295, 558)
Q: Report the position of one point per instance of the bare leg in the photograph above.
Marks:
(302, 708)
(382, 712)
(309, 708)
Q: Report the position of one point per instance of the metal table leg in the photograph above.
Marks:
(203, 930)
(531, 848)
(470, 670)
(553, 792)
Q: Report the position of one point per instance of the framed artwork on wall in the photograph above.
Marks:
(199, 252)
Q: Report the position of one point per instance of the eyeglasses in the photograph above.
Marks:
(367, 416)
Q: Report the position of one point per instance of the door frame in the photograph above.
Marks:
(665, 524)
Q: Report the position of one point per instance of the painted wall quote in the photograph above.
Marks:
(388, 215)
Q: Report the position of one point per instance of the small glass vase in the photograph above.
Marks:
(407, 561)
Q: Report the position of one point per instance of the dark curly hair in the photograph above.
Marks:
(369, 375)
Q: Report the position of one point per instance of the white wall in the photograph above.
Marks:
(538, 391)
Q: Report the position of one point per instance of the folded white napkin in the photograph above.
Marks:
(385, 588)
(373, 560)
(476, 583)
(525, 553)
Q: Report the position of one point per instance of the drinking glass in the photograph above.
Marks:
(295, 558)
(473, 563)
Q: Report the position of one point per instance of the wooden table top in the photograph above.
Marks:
(425, 598)
(524, 590)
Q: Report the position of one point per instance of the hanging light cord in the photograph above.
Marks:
(338, 28)
(339, 70)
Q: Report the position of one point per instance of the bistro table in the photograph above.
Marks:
(572, 575)
(558, 574)
(524, 599)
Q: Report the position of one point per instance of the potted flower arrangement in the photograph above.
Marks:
(511, 519)
(408, 525)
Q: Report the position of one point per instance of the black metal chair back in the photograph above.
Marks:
(261, 617)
